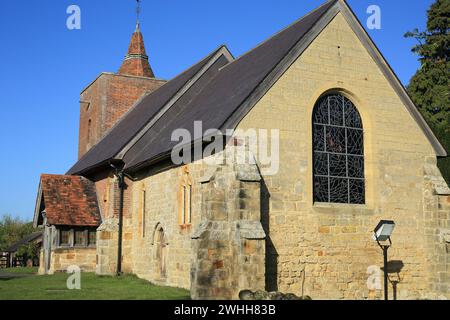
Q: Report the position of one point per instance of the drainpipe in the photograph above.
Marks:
(121, 181)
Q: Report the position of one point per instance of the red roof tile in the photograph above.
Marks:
(70, 200)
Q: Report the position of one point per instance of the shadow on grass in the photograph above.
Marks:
(10, 276)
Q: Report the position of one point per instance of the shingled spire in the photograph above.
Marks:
(136, 61)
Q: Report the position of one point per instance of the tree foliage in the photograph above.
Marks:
(430, 86)
(12, 230)
(28, 251)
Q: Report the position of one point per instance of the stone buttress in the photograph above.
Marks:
(229, 243)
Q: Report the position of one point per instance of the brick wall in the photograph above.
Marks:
(108, 193)
(105, 101)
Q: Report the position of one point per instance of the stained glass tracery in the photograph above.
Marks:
(338, 141)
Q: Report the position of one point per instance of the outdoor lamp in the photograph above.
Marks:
(383, 232)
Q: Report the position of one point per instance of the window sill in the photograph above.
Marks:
(342, 208)
(74, 247)
(338, 205)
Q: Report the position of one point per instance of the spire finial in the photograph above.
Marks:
(136, 61)
(138, 13)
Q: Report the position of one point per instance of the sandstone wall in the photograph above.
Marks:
(162, 207)
(61, 259)
(229, 244)
(107, 241)
(320, 250)
(324, 250)
(436, 215)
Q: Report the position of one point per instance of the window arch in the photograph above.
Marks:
(161, 243)
(338, 146)
(143, 209)
(185, 198)
(89, 130)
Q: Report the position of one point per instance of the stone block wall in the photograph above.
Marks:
(229, 244)
(162, 212)
(107, 240)
(84, 258)
(322, 250)
(41, 269)
(325, 250)
(61, 258)
(436, 218)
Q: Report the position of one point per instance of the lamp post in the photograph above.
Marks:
(382, 233)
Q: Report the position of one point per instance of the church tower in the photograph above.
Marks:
(110, 95)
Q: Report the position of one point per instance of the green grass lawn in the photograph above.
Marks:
(33, 270)
(128, 287)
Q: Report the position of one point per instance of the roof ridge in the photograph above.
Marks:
(132, 150)
(226, 79)
(213, 58)
(279, 32)
(203, 60)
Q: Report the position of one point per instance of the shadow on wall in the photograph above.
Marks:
(271, 252)
(394, 268)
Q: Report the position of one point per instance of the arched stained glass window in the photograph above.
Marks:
(338, 141)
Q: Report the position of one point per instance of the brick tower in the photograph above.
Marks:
(110, 95)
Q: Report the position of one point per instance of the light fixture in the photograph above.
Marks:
(382, 233)
(383, 230)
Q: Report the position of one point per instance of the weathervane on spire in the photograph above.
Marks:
(138, 12)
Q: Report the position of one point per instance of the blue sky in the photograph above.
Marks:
(44, 66)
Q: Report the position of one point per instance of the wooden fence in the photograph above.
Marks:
(4, 261)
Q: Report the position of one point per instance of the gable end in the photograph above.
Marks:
(339, 6)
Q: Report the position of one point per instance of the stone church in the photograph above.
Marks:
(352, 150)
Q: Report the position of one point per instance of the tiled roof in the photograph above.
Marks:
(224, 94)
(218, 100)
(224, 91)
(133, 121)
(69, 200)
